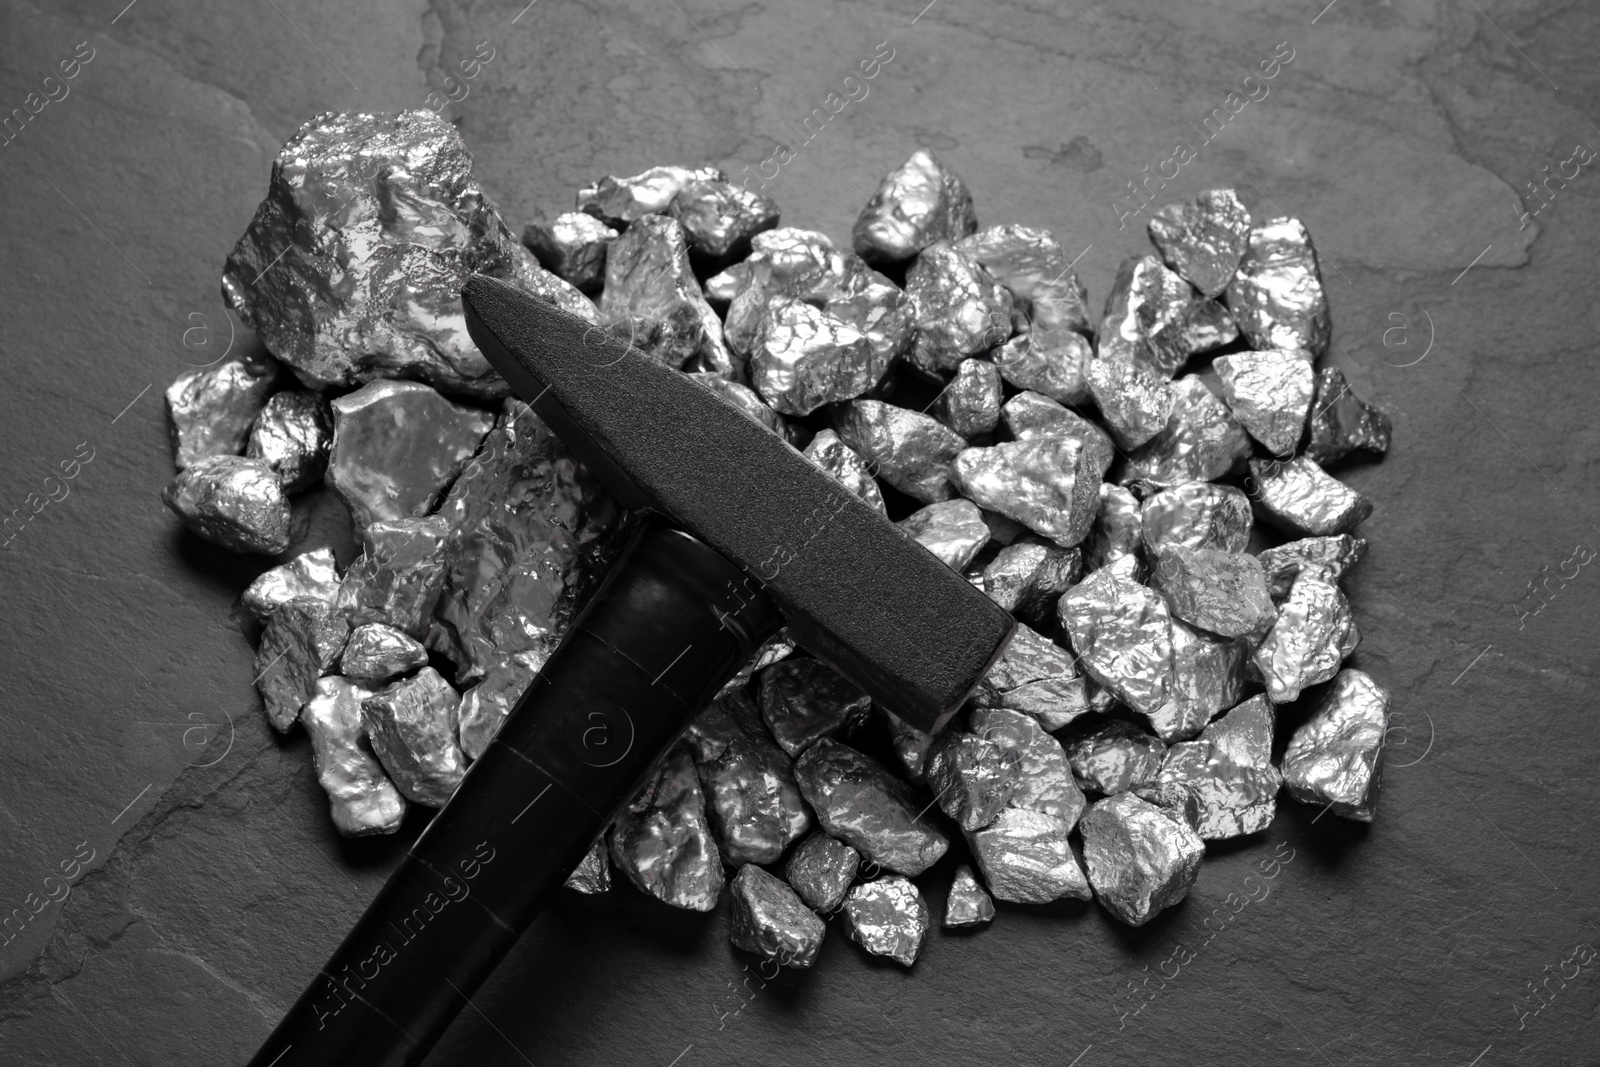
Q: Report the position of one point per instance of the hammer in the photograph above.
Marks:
(743, 535)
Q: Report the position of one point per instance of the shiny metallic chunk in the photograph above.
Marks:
(1049, 484)
(293, 433)
(1335, 555)
(1140, 859)
(1196, 515)
(301, 643)
(1298, 497)
(361, 798)
(310, 574)
(751, 796)
(1118, 529)
(1229, 768)
(746, 400)
(953, 530)
(820, 869)
(967, 905)
(1036, 677)
(841, 461)
(1314, 633)
(485, 706)
(887, 917)
(232, 501)
(909, 743)
(863, 805)
(661, 840)
(412, 726)
(880, 310)
(778, 647)
(804, 699)
(915, 205)
(398, 576)
(1202, 441)
(1122, 633)
(1025, 858)
(970, 402)
(396, 446)
(593, 873)
(1028, 576)
(1038, 273)
(648, 275)
(572, 246)
(1115, 757)
(971, 778)
(619, 201)
(1342, 423)
(1155, 320)
(960, 310)
(376, 653)
(1030, 414)
(1051, 360)
(1223, 592)
(1335, 759)
(719, 217)
(771, 921)
(1042, 777)
(803, 358)
(907, 449)
(1203, 239)
(802, 264)
(1270, 393)
(1277, 295)
(1208, 675)
(210, 410)
(1133, 402)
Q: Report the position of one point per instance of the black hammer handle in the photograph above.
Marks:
(671, 624)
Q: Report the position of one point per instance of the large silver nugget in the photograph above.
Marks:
(1025, 858)
(234, 502)
(1155, 320)
(1270, 393)
(572, 246)
(1140, 858)
(1115, 757)
(310, 574)
(1335, 759)
(648, 275)
(719, 217)
(1133, 402)
(970, 402)
(1277, 295)
(803, 358)
(1196, 515)
(1037, 677)
(909, 450)
(293, 433)
(879, 309)
(1336, 554)
(1122, 631)
(751, 796)
(1342, 423)
(619, 201)
(661, 840)
(1042, 777)
(1051, 360)
(1203, 239)
(412, 726)
(960, 310)
(485, 706)
(396, 446)
(398, 576)
(361, 798)
(863, 805)
(1223, 592)
(1037, 272)
(1118, 529)
(1028, 576)
(210, 410)
(1028, 415)
(971, 778)
(1314, 633)
(953, 530)
(1208, 675)
(789, 261)
(771, 921)
(827, 451)
(1298, 497)
(1202, 441)
(915, 205)
(804, 699)
(1049, 484)
(1230, 770)
(821, 869)
(967, 905)
(301, 643)
(887, 917)
(376, 653)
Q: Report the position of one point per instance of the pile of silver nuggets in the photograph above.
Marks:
(951, 376)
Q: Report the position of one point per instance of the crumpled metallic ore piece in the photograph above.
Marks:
(485, 706)
(1208, 675)
(863, 805)
(771, 921)
(396, 445)
(1037, 272)
(1298, 497)
(593, 873)
(1115, 757)
(751, 797)
(293, 434)
(1341, 422)
(881, 310)
(1140, 858)
(914, 206)
(1230, 771)
(960, 310)
(746, 400)
(803, 358)
(971, 778)
(1133, 402)
(1202, 441)
(970, 402)
(1277, 296)
(523, 518)
(967, 905)
(1037, 677)
(1051, 360)
(779, 646)
(234, 502)
(1196, 515)
(1179, 801)
(361, 798)
(1118, 529)
(909, 743)
(1042, 778)
(648, 275)
(210, 410)
(887, 917)
(1025, 858)
(398, 576)
(788, 261)
(820, 870)
(572, 246)
(310, 574)
(353, 265)
(1122, 632)
(1335, 758)
(719, 217)
(841, 461)
(1203, 239)
(804, 699)
(412, 726)
(909, 450)
(1049, 484)
(376, 653)
(662, 842)
(1223, 592)
(1334, 555)
(953, 530)
(301, 643)
(1270, 393)
(1028, 415)
(1155, 320)
(1028, 576)
(1314, 633)
(619, 201)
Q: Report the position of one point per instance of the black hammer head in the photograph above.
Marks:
(856, 591)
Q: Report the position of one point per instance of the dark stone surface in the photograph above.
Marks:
(1401, 133)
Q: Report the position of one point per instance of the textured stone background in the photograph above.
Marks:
(1402, 132)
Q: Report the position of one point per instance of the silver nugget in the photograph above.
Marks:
(398, 576)
(960, 309)
(572, 246)
(1196, 515)
(661, 840)
(1335, 759)
(915, 205)
(863, 805)
(1140, 858)
(827, 451)
(1341, 422)
(1122, 631)
(1025, 858)
(376, 654)
(909, 450)
(310, 574)
(1042, 778)
(804, 699)
(887, 917)
(1155, 320)
(771, 921)
(361, 798)
(593, 873)
(412, 726)
(293, 434)
(971, 778)
(301, 643)
(1037, 677)
(1335, 555)
(953, 530)
(620, 201)
(1049, 484)
(970, 402)
(820, 869)
(1270, 394)
(485, 706)
(1223, 592)
(1134, 403)
(1277, 294)
(648, 275)
(1115, 757)
(1202, 440)
(1229, 768)
(803, 358)
(1038, 273)
(967, 905)
(1300, 498)
(232, 501)
(1314, 633)
(1028, 576)
(1050, 360)
(719, 218)
(751, 796)
(1203, 239)
(210, 410)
